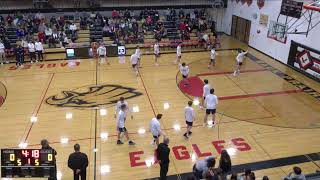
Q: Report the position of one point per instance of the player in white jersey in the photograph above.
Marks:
(118, 107)
(211, 103)
(179, 53)
(138, 53)
(135, 62)
(102, 52)
(189, 116)
(184, 70)
(156, 49)
(212, 58)
(121, 118)
(155, 129)
(205, 92)
(239, 60)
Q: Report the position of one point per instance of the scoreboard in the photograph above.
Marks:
(26, 163)
(291, 8)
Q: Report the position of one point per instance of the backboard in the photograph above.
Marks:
(278, 31)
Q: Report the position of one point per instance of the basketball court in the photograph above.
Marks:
(262, 115)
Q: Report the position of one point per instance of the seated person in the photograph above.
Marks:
(296, 174)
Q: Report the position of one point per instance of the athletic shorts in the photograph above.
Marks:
(134, 65)
(240, 63)
(156, 137)
(157, 55)
(183, 76)
(124, 129)
(210, 111)
(212, 60)
(179, 57)
(189, 123)
(101, 56)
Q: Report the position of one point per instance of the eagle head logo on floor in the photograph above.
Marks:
(92, 96)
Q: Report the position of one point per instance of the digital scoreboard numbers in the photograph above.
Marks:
(291, 8)
(20, 163)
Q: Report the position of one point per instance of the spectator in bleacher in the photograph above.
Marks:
(9, 20)
(51, 42)
(73, 27)
(205, 40)
(32, 52)
(167, 13)
(234, 176)
(2, 54)
(265, 178)
(7, 45)
(115, 14)
(39, 16)
(41, 36)
(296, 174)
(20, 33)
(39, 50)
(83, 23)
(64, 40)
(48, 32)
(247, 175)
(201, 167)
(181, 14)
(19, 52)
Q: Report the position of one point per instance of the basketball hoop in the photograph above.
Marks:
(315, 6)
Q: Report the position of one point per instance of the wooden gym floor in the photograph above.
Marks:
(261, 116)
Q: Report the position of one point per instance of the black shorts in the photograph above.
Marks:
(210, 111)
(101, 56)
(240, 63)
(134, 65)
(212, 60)
(124, 129)
(179, 57)
(183, 76)
(156, 137)
(189, 123)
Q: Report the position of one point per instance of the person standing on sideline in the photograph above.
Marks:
(39, 49)
(156, 49)
(179, 53)
(155, 129)
(211, 103)
(121, 118)
(225, 163)
(189, 117)
(19, 52)
(78, 162)
(2, 54)
(163, 153)
(184, 70)
(32, 52)
(102, 52)
(239, 60)
(134, 62)
(138, 53)
(118, 107)
(53, 172)
(212, 58)
(206, 91)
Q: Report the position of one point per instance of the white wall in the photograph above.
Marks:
(260, 41)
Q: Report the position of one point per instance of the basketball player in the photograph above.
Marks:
(135, 63)
(102, 53)
(189, 117)
(118, 107)
(206, 91)
(239, 60)
(138, 53)
(155, 129)
(121, 118)
(184, 70)
(212, 57)
(178, 53)
(211, 102)
(156, 49)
